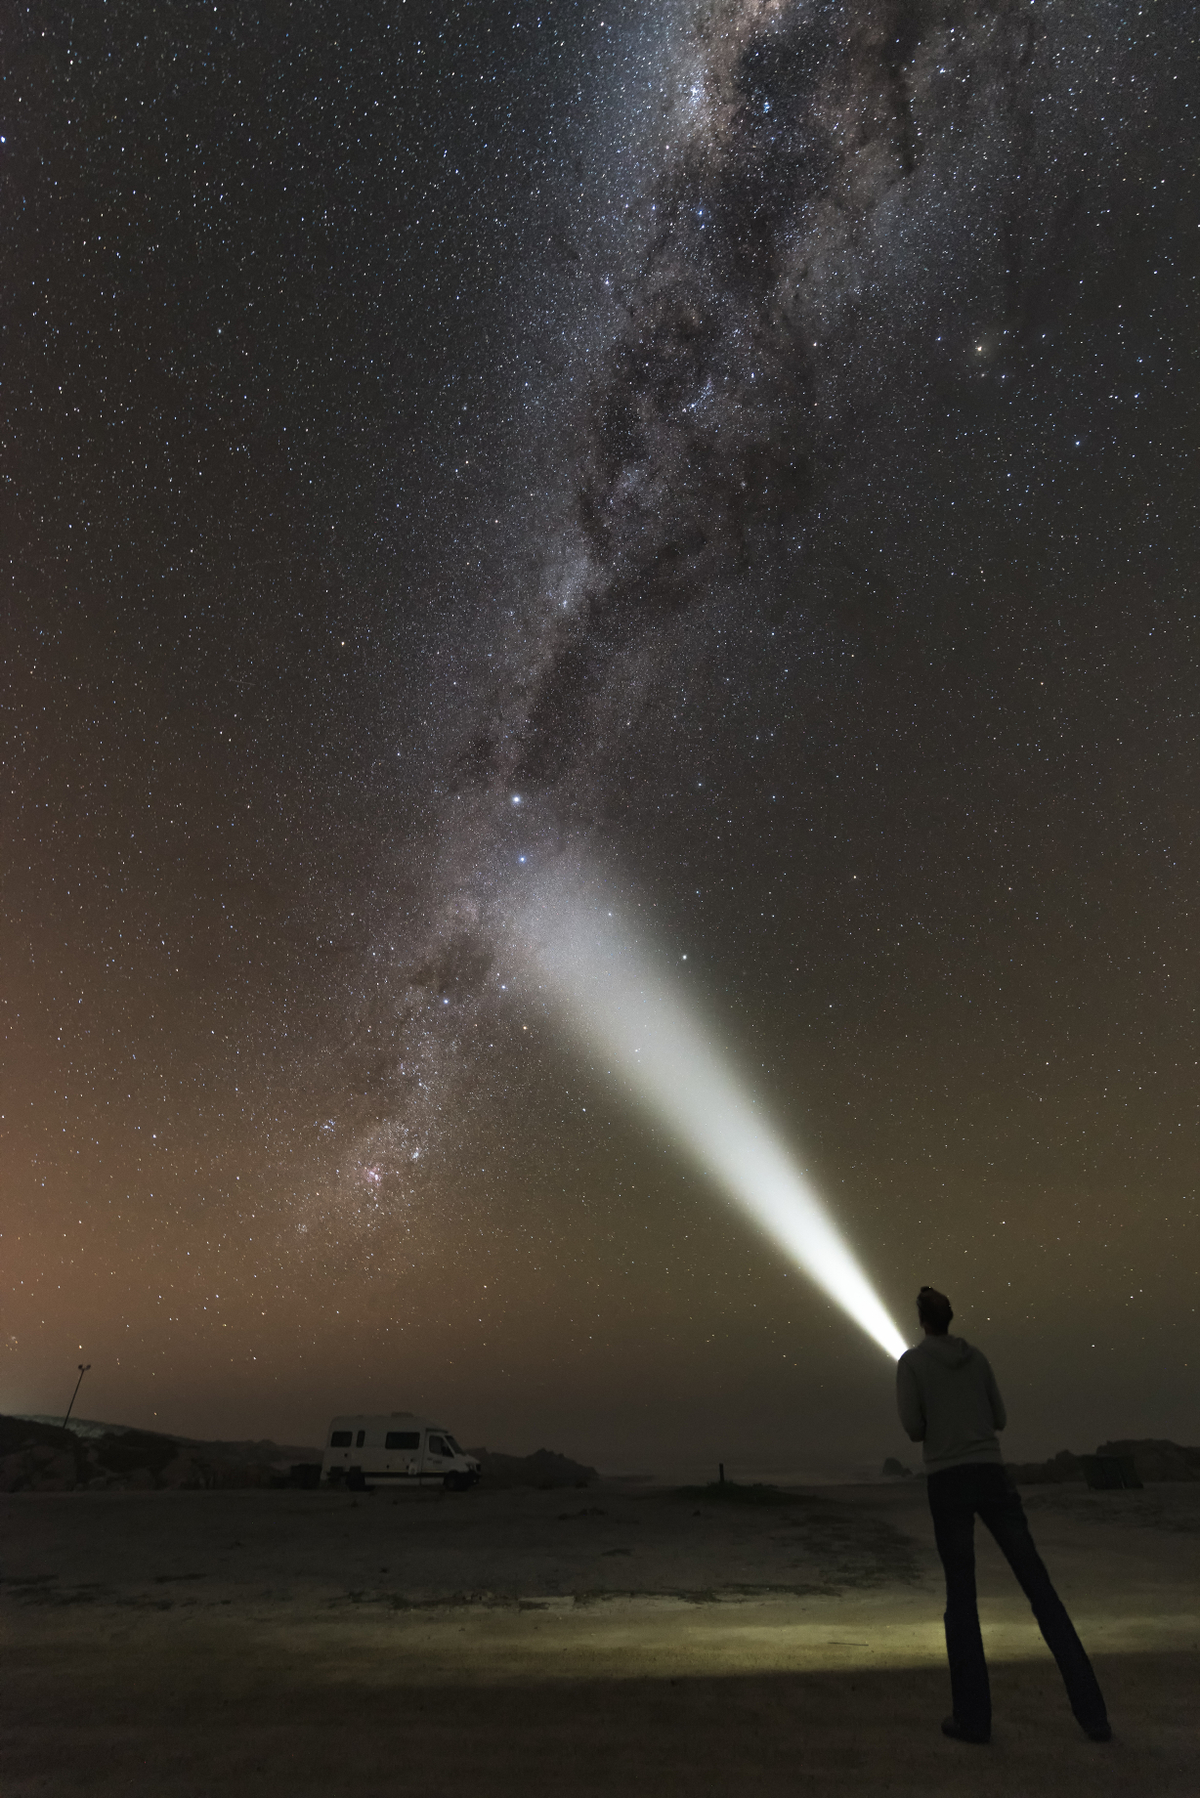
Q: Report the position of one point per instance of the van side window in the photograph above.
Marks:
(362, 1436)
(340, 1439)
(437, 1446)
(402, 1439)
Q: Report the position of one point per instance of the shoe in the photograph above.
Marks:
(1098, 1732)
(958, 1732)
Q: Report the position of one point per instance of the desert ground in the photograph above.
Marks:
(616, 1640)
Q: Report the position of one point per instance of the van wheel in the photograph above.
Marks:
(455, 1482)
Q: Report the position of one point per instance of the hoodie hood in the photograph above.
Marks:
(950, 1351)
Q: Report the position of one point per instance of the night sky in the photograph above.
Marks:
(760, 438)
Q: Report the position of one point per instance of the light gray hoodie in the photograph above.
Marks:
(949, 1401)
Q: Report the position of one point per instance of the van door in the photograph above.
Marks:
(403, 1448)
(437, 1456)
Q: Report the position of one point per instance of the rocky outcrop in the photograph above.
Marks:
(1152, 1460)
(1156, 1459)
(1062, 1466)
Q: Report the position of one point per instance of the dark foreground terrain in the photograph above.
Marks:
(598, 1642)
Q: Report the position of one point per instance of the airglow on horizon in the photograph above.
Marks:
(618, 1003)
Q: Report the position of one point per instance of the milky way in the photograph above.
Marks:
(842, 210)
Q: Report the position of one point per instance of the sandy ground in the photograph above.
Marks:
(596, 1642)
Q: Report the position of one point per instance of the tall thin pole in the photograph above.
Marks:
(75, 1394)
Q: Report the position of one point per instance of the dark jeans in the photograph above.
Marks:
(955, 1495)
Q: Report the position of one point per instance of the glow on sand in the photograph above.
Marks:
(616, 1002)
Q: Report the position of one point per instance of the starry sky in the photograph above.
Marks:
(743, 454)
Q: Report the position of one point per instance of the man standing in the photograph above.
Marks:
(949, 1402)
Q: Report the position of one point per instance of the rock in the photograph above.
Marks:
(1063, 1466)
(1111, 1473)
(1157, 1459)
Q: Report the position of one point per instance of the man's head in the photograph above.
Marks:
(933, 1310)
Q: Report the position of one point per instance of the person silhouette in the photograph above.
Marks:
(949, 1402)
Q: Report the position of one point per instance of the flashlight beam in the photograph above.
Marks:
(617, 1003)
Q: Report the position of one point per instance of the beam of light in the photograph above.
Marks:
(616, 1002)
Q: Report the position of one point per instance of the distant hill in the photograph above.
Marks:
(1154, 1459)
(38, 1455)
(543, 1469)
(86, 1427)
(271, 1453)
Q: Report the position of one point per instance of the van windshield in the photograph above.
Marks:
(454, 1448)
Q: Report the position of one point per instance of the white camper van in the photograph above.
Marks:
(397, 1450)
